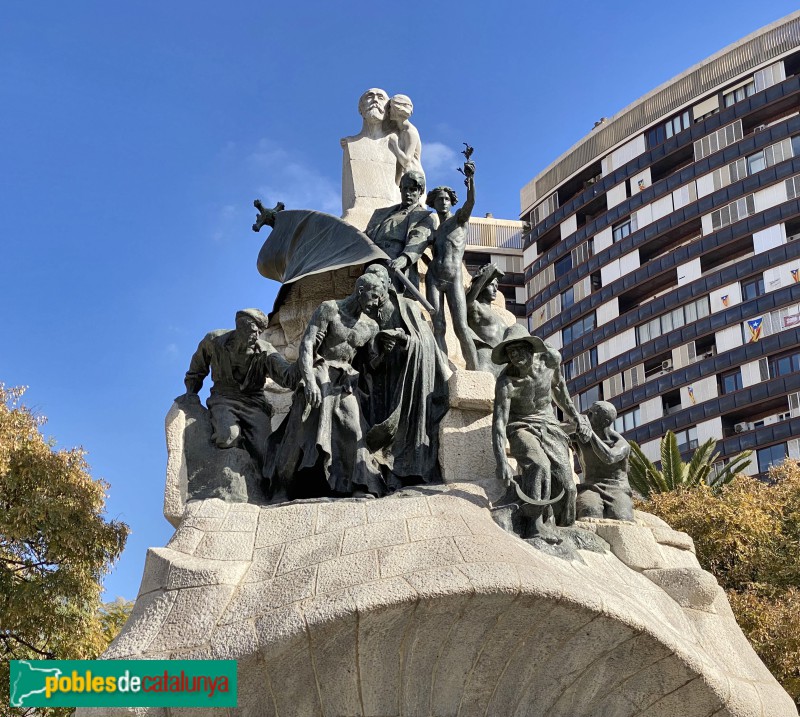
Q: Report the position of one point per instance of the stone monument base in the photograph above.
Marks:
(419, 604)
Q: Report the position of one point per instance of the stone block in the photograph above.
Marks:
(186, 539)
(240, 521)
(674, 538)
(255, 599)
(650, 520)
(438, 582)
(465, 446)
(472, 391)
(491, 549)
(338, 515)
(234, 640)
(395, 508)
(142, 627)
(177, 480)
(264, 564)
(226, 546)
(492, 577)
(192, 618)
(279, 524)
(309, 551)
(212, 508)
(437, 526)
(410, 558)
(189, 572)
(693, 699)
(279, 625)
(156, 571)
(346, 571)
(678, 558)
(375, 535)
(333, 637)
(389, 592)
(634, 545)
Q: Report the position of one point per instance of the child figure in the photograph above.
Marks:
(406, 145)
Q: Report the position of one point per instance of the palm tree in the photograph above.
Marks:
(646, 478)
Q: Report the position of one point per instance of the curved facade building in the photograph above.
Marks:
(664, 255)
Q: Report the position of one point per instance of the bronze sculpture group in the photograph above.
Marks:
(369, 386)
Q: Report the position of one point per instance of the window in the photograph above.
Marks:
(579, 328)
(738, 94)
(756, 162)
(587, 398)
(772, 456)
(676, 318)
(568, 298)
(731, 381)
(796, 145)
(580, 364)
(687, 439)
(793, 187)
(752, 288)
(733, 212)
(623, 229)
(785, 364)
(628, 421)
(668, 129)
(718, 140)
(563, 265)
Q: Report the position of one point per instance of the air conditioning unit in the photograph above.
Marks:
(708, 354)
(741, 427)
(793, 237)
(666, 365)
(759, 128)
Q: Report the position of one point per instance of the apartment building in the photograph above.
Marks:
(499, 241)
(663, 258)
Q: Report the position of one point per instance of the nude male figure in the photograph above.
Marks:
(444, 277)
(320, 448)
(486, 327)
(523, 414)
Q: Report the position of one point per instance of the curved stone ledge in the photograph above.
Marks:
(418, 604)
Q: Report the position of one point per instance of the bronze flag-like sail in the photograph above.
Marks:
(305, 242)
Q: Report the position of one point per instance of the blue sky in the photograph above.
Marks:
(135, 136)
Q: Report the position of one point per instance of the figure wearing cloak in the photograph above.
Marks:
(406, 380)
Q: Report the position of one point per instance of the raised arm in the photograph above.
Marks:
(502, 406)
(465, 212)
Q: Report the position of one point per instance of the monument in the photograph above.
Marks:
(382, 535)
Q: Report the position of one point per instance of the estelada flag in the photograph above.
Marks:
(755, 329)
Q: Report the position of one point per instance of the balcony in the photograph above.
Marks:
(495, 233)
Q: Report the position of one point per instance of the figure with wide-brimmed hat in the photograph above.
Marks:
(523, 414)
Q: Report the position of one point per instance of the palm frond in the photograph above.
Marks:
(732, 468)
(672, 467)
(699, 467)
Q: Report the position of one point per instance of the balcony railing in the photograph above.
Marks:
(495, 234)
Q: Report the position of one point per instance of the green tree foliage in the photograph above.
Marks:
(113, 616)
(747, 533)
(646, 478)
(55, 547)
